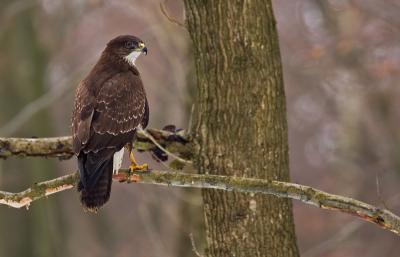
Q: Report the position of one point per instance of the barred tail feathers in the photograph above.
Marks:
(95, 181)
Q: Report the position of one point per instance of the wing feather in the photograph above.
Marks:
(82, 115)
(109, 119)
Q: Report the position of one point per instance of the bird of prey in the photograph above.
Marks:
(110, 105)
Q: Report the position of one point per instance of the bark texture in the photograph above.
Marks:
(240, 128)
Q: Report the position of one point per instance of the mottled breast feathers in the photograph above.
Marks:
(108, 116)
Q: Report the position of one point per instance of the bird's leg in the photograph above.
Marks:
(134, 165)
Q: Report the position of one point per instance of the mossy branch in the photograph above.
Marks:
(61, 147)
(179, 144)
(382, 217)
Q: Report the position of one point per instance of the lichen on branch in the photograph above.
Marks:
(179, 144)
(382, 217)
(61, 147)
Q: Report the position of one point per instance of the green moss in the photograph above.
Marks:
(177, 165)
(143, 146)
(38, 190)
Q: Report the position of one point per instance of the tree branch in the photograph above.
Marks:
(61, 147)
(154, 141)
(382, 217)
(179, 143)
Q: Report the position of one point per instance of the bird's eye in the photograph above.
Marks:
(130, 45)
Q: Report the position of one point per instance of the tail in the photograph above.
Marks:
(95, 180)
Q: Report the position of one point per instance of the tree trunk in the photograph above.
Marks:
(240, 128)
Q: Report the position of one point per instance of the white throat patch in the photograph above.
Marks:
(131, 58)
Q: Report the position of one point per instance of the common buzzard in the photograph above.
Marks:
(110, 104)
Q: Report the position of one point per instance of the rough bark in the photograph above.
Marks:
(240, 128)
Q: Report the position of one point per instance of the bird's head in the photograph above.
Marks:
(127, 47)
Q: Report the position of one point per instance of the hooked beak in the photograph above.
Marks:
(143, 48)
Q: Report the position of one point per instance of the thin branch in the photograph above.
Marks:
(378, 189)
(338, 237)
(191, 119)
(382, 217)
(61, 147)
(173, 20)
(42, 102)
(194, 248)
(346, 231)
(147, 135)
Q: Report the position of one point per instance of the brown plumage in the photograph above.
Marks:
(110, 103)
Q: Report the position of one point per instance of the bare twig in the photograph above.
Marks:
(61, 147)
(191, 120)
(40, 103)
(194, 248)
(378, 189)
(382, 217)
(346, 231)
(147, 135)
(338, 237)
(173, 20)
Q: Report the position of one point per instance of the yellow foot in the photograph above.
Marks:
(135, 167)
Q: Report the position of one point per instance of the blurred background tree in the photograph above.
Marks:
(340, 64)
(24, 61)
